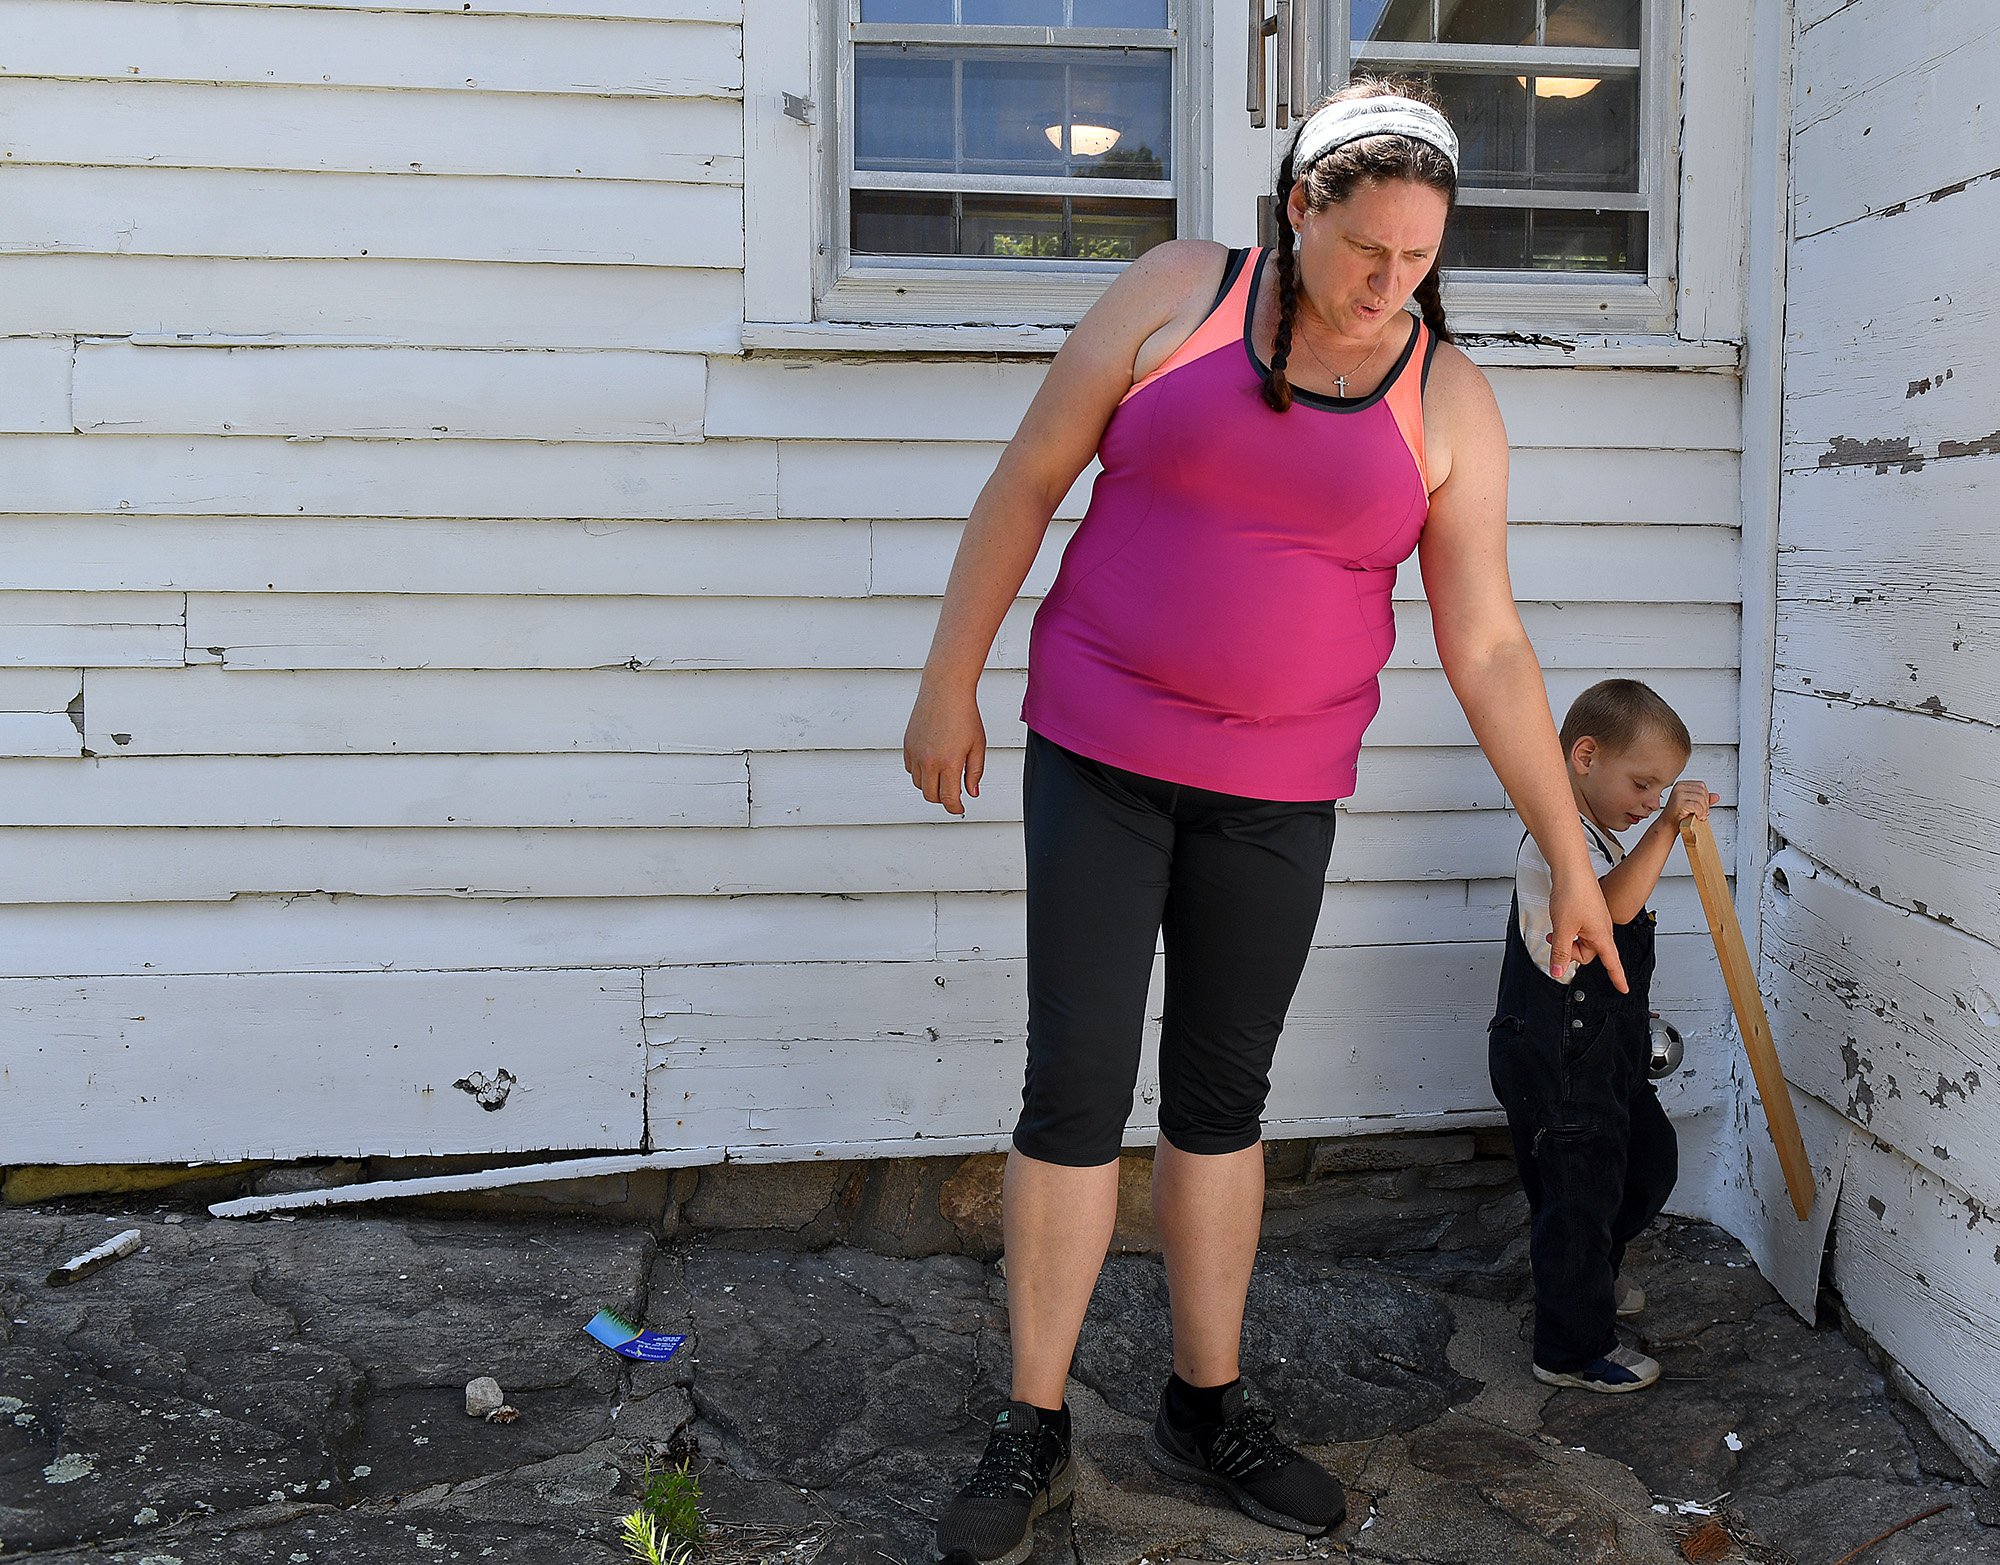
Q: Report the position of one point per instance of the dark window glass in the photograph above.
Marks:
(901, 222)
(1118, 230)
(1490, 114)
(1588, 241)
(1586, 133)
(1011, 105)
(1490, 238)
(902, 110)
(1118, 13)
(1012, 227)
(928, 12)
(1486, 21)
(1593, 24)
(1011, 13)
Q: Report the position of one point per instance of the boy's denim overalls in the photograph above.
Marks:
(1597, 1155)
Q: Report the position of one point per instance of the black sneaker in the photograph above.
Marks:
(1243, 1456)
(1026, 1470)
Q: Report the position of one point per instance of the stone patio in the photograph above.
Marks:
(291, 1390)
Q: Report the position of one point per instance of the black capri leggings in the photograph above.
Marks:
(1114, 859)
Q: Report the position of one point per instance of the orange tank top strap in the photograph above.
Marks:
(1222, 325)
(1406, 397)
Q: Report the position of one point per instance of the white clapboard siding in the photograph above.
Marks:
(637, 10)
(422, 217)
(314, 47)
(328, 630)
(861, 478)
(412, 392)
(1919, 1270)
(404, 303)
(287, 554)
(91, 630)
(803, 399)
(356, 790)
(1890, 1017)
(747, 1054)
(1884, 323)
(325, 933)
(154, 864)
(1549, 563)
(246, 476)
(34, 384)
(209, 711)
(1882, 796)
(354, 131)
(213, 1069)
(854, 787)
(1899, 614)
(1886, 76)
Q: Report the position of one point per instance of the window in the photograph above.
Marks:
(1564, 144)
(1004, 157)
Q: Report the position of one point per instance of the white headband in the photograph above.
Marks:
(1351, 119)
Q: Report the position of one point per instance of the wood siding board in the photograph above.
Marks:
(417, 393)
(376, 301)
(442, 217)
(179, 864)
(1713, 119)
(1883, 796)
(314, 47)
(38, 734)
(210, 711)
(1889, 1017)
(1916, 1267)
(727, 11)
(1886, 76)
(39, 690)
(257, 475)
(161, 1068)
(1621, 564)
(1886, 323)
(70, 630)
(373, 555)
(405, 790)
(1897, 615)
(121, 124)
(35, 384)
(325, 933)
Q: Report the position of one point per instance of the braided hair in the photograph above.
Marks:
(1333, 179)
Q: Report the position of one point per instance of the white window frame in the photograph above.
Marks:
(1538, 301)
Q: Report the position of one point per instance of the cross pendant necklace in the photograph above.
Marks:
(1339, 380)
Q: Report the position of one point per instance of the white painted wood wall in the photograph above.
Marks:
(1882, 917)
(430, 648)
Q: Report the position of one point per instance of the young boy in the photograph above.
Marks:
(1568, 1058)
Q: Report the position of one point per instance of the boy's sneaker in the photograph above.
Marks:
(1631, 1297)
(1622, 1369)
(1242, 1456)
(1026, 1470)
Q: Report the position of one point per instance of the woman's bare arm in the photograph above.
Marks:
(944, 747)
(1486, 653)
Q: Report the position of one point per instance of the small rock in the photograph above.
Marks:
(483, 1396)
(503, 1415)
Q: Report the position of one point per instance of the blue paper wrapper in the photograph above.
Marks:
(621, 1336)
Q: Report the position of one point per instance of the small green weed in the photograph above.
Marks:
(667, 1525)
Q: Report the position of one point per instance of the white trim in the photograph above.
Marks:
(779, 154)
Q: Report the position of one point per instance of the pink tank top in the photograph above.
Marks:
(1223, 612)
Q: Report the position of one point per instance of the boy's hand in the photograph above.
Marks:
(1689, 800)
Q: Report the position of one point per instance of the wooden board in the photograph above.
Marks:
(243, 476)
(422, 393)
(91, 630)
(444, 217)
(312, 47)
(1891, 1018)
(355, 131)
(165, 1069)
(404, 303)
(1882, 797)
(436, 555)
(34, 384)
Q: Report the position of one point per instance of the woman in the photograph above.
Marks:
(1277, 432)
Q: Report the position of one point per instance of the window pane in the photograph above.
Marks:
(1490, 114)
(901, 222)
(1487, 237)
(1586, 133)
(932, 12)
(1013, 13)
(1012, 227)
(1120, 113)
(1587, 241)
(1486, 21)
(902, 110)
(1119, 13)
(1392, 21)
(1011, 105)
(1594, 24)
(1118, 230)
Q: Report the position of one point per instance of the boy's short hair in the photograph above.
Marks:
(1618, 713)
